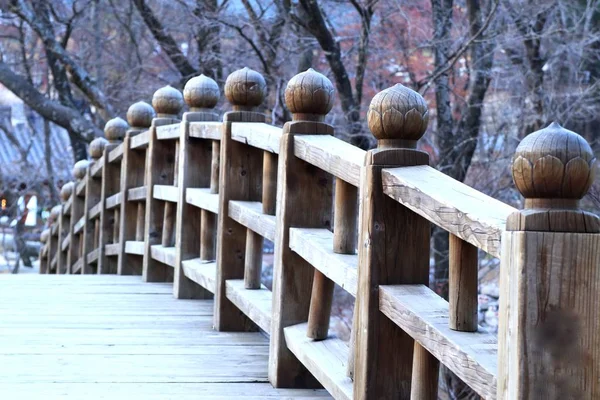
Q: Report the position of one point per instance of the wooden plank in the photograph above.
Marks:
(112, 249)
(140, 140)
(424, 315)
(79, 225)
(331, 154)
(203, 198)
(137, 194)
(206, 130)
(250, 214)
(134, 247)
(80, 187)
(116, 154)
(259, 135)
(67, 206)
(166, 193)
(168, 132)
(316, 247)
(95, 211)
(255, 303)
(165, 255)
(65, 243)
(77, 267)
(325, 359)
(114, 201)
(96, 167)
(202, 272)
(461, 210)
(92, 257)
(54, 229)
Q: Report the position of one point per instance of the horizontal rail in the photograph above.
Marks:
(54, 230)
(80, 187)
(96, 167)
(79, 225)
(116, 154)
(331, 154)
(204, 273)
(112, 249)
(166, 193)
(461, 210)
(249, 214)
(421, 313)
(134, 247)
(202, 198)
(67, 206)
(66, 242)
(92, 256)
(206, 130)
(259, 135)
(325, 359)
(316, 247)
(78, 266)
(168, 132)
(140, 140)
(137, 194)
(114, 201)
(95, 211)
(255, 303)
(166, 255)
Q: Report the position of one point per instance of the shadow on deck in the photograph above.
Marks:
(103, 336)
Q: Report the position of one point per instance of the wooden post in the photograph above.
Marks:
(93, 196)
(240, 179)
(393, 246)
(549, 333)
(201, 94)
(77, 208)
(114, 131)
(160, 170)
(64, 224)
(304, 200)
(45, 249)
(139, 117)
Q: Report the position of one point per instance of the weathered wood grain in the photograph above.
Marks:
(258, 135)
(166, 193)
(256, 303)
(166, 255)
(421, 313)
(206, 130)
(452, 205)
(201, 272)
(250, 214)
(203, 198)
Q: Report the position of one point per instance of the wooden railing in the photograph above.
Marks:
(192, 201)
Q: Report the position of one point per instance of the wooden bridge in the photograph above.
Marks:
(188, 203)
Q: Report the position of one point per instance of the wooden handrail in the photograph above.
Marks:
(191, 202)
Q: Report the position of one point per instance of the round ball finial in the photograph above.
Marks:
(398, 116)
(55, 212)
(115, 130)
(45, 235)
(167, 101)
(245, 89)
(80, 169)
(97, 147)
(66, 191)
(553, 163)
(309, 95)
(140, 115)
(201, 92)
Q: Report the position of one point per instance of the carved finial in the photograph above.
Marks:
(398, 117)
(55, 212)
(80, 169)
(245, 89)
(97, 147)
(168, 102)
(66, 191)
(554, 164)
(115, 130)
(140, 115)
(309, 96)
(45, 235)
(201, 92)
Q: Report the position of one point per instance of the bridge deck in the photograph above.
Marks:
(102, 336)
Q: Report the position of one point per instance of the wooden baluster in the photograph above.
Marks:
(133, 168)
(114, 131)
(425, 375)
(240, 179)
(549, 333)
(208, 224)
(55, 214)
(393, 248)
(463, 285)
(305, 198)
(160, 167)
(195, 157)
(74, 251)
(44, 239)
(65, 222)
